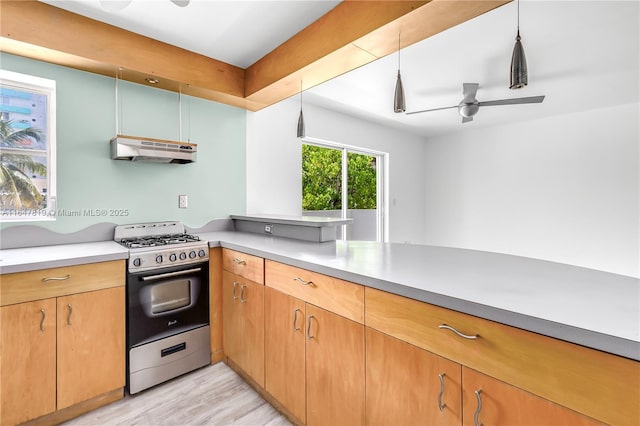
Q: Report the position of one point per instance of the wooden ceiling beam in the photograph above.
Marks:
(352, 34)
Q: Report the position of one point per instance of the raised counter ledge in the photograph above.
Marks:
(592, 308)
(54, 256)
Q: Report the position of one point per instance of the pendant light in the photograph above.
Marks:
(300, 132)
(398, 99)
(519, 74)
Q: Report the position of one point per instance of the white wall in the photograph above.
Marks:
(564, 189)
(274, 163)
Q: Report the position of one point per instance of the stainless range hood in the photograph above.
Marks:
(149, 150)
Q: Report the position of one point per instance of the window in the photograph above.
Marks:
(332, 173)
(27, 147)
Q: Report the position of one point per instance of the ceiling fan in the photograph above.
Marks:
(469, 105)
(115, 5)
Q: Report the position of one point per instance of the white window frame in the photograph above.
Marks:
(382, 184)
(46, 87)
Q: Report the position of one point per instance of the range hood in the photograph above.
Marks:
(149, 150)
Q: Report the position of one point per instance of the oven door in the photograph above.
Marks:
(166, 301)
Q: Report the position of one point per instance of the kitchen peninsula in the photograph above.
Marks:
(576, 308)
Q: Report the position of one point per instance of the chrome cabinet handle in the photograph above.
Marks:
(66, 277)
(476, 415)
(303, 282)
(242, 289)
(239, 261)
(44, 315)
(70, 312)
(295, 319)
(441, 405)
(309, 336)
(466, 336)
(235, 285)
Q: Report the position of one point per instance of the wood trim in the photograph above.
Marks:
(597, 384)
(27, 286)
(352, 34)
(77, 410)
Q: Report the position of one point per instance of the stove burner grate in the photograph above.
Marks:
(156, 241)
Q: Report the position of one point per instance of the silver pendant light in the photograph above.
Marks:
(300, 132)
(519, 74)
(398, 99)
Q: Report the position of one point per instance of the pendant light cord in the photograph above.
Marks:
(518, 20)
(398, 51)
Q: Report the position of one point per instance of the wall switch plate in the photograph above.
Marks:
(183, 201)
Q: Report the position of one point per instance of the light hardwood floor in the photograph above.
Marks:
(213, 395)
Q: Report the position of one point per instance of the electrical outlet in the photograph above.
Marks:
(183, 201)
(268, 229)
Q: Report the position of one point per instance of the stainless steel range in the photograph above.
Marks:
(167, 302)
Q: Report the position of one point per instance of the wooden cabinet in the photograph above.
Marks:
(61, 349)
(314, 358)
(91, 341)
(407, 385)
(492, 402)
(599, 385)
(243, 313)
(28, 360)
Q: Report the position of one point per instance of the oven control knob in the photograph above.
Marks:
(137, 262)
(192, 254)
(173, 257)
(159, 258)
(183, 256)
(202, 253)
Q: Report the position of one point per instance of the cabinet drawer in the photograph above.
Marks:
(245, 265)
(45, 283)
(600, 385)
(338, 296)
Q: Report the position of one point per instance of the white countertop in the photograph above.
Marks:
(44, 257)
(584, 306)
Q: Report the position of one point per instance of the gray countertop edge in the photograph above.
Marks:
(587, 338)
(309, 221)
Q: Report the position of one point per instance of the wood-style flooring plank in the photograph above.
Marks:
(212, 395)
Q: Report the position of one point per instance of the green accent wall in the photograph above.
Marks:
(87, 177)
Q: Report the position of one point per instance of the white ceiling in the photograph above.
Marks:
(581, 54)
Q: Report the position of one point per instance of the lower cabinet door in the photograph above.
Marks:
(335, 369)
(27, 361)
(492, 402)
(91, 349)
(231, 321)
(285, 322)
(406, 385)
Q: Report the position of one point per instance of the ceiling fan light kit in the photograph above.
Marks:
(519, 73)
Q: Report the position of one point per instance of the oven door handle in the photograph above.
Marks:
(171, 274)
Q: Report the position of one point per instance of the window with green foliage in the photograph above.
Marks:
(27, 147)
(332, 173)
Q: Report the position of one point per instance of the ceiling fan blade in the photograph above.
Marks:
(429, 110)
(467, 119)
(529, 100)
(469, 91)
(181, 3)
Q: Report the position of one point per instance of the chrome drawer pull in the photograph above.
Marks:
(242, 299)
(66, 277)
(239, 261)
(235, 285)
(303, 282)
(309, 336)
(466, 336)
(44, 315)
(295, 320)
(70, 312)
(476, 415)
(440, 404)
